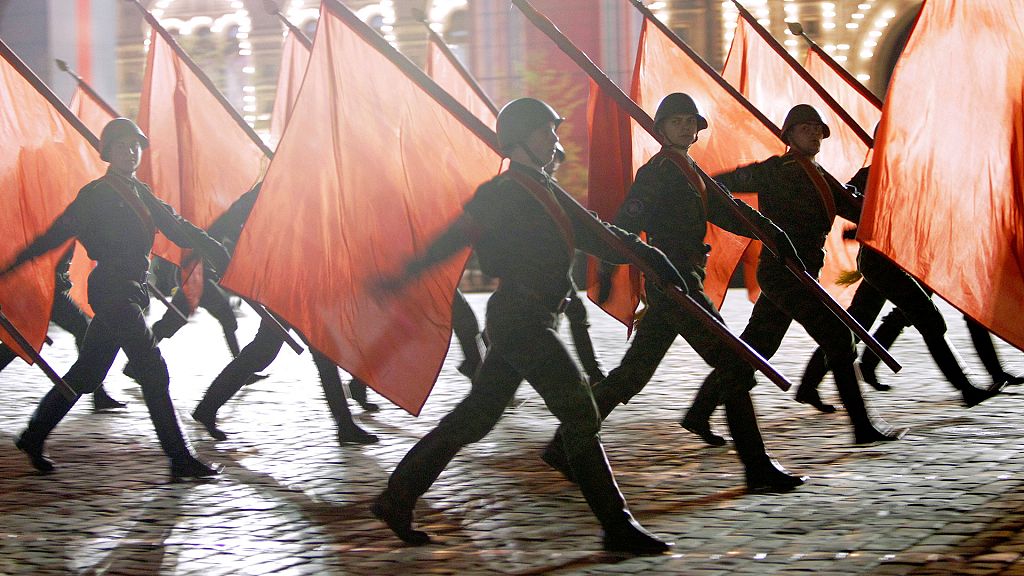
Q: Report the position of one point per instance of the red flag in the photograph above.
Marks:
(202, 156)
(946, 192)
(736, 136)
(863, 106)
(294, 57)
(44, 161)
(758, 70)
(359, 184)
(443, 67)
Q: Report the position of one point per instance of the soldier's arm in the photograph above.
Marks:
(184, 233)
(456, 237)
(62, 229)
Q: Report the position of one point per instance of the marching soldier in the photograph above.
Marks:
(115, 218)
(525, 237)
(803, 200)
(884, 280)
(674, 213)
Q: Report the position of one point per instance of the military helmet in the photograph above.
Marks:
(520, 117)
(116, 129)
(678, 103)
(803, 114)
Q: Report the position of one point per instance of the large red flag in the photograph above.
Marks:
(737, 135)
(443, 67)
(359, 184)
(946, 193)
(756, 68)
(862, 106)
(44, 161)
(294, 57)
(202, 156)
(95, 114)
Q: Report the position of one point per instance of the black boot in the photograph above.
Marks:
(806, 394)
(951, 366)
(357, 388)
(888, 331)
(155, 392)
(51, 410)
(189, 467)
(865, 431)
(622, 533)
(763, 475)
(698, 418)
(232, 340)
(606, 398)
(102, 401)
(398, 518)
(334, 393)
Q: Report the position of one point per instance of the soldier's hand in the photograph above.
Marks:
(604, 283)
(786, 250)
(218, 258)
(667, 274)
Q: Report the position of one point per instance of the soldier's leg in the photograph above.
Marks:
(888, 331)
(986, 350)
(358, 389)
(865, 307)
(467, 331)
(134, 337)
(217, 304)
(169, 324)
(6, 355)
(71, 318)
(94, 359)
(334, 393)
(549, 368)
(471, 420)
(256, 356)
(579, 326)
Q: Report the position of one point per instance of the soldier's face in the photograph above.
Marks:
(680, 129)
(541, 143)
(125, 154)
(806, 138)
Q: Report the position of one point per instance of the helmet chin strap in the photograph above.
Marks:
(533, 157)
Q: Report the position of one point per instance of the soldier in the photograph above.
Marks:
(803, 200)
(884, 280)
(115, 218)
(71, 318)
(263, 349)
(524, 237)
(674, 213)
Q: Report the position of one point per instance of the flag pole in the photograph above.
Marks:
(438, 41)
(487, 135)
(805, 76)
(155, 24)
(272, 8)
(642, 118)
(63, 66)
(797, 30)
(63, 387)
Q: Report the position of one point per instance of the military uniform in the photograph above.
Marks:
(802, 199)
(884, 280)
(115, 219)
(519, 241)
(663, 203)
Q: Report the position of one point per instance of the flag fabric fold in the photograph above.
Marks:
(200, 159)
(44, 161)
(357, 187)
(946, 191)
(294, 57)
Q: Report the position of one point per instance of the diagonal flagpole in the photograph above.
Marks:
(438, 41)
(805, 76)
(205, 80)
(63, 66)
(274, 10)
(797, 30)
(487, 135)
(641, 117)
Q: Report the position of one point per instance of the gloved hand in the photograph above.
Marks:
(666, 272)
(786, 250)
(216, 255)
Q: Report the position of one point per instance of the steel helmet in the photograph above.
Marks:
(520, 117)
(803, 114)
(116, 129)
(678, 103)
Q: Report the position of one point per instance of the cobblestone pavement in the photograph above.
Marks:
(947, 499)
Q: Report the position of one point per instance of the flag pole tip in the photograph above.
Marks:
(61, 65)
(271, 7)
(795, 28)
(419, 15)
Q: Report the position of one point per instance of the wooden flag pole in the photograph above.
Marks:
(797, 30)
(438, 41)
(272, 8)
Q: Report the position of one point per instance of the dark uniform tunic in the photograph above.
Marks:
(520, 242)
(119, 238)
